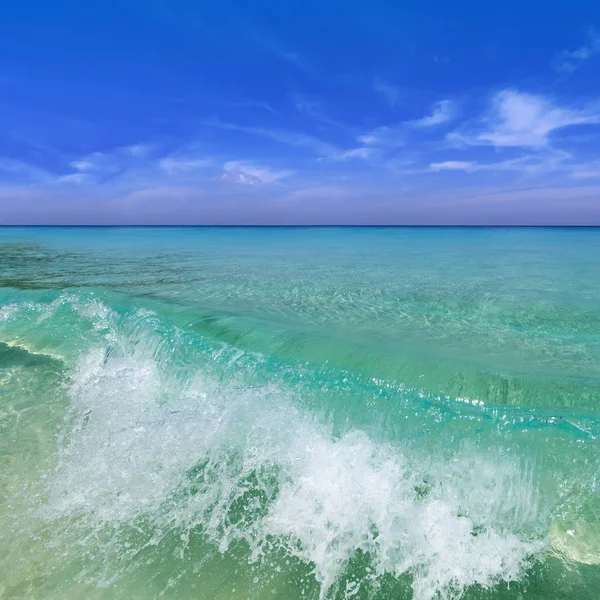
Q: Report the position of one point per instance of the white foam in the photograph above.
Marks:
(353, 494)
(7, 311)
(142, 422)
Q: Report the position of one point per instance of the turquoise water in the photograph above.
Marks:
(322, 413)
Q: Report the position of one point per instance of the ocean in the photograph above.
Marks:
(300, 413)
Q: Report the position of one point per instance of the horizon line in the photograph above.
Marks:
(301, 226)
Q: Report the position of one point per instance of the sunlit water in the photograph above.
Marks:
(300, 413)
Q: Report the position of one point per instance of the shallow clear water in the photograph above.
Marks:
(299, 413)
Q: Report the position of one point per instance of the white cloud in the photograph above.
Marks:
(248, 174)
(390, 92)
(395, 135)
(391, 137)
(76, 178)
(534, 163)
(361, 152)
(172, 165)
(138, 150)
(443, 112)
(524, 120)
(98, 162)
(570, 60)
(83, 165)
(453, 165)
(126, 165)
(368, 139)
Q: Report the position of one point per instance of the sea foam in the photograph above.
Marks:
(158, 431)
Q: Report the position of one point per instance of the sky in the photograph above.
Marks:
(299, 113)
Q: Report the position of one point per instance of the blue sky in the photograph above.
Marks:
(174, 111)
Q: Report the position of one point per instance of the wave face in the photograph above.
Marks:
(209, 413)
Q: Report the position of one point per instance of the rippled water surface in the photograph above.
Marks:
(215, 413)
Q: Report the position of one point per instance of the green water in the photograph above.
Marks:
(324, 413)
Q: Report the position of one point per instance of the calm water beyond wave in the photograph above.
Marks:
(233, 414)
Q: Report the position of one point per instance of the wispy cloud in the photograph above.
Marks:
(91, 169)
(138, 150)
(517, 119)
(362, 152)
(570, 60)
(391, 93)
(83, 165)
(130, 166)
(369, 138)
(248, 174)
(314, 109)
(453, 165)
(289, 138)
(533, 163)
(99, 166)
(512, 141)
(97, 162)
(392, 136)
(118, 172)
(20, 171)
(174, 165)
(588, 170)
(442, 112)
(74, 178)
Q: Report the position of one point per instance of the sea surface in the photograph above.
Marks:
(299, 413)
